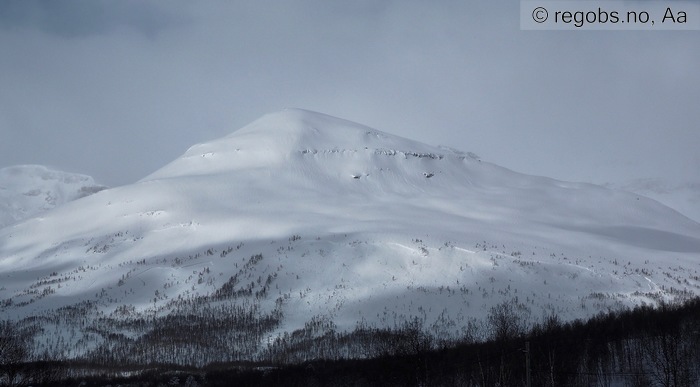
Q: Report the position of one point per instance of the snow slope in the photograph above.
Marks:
(27, 190)
(682, 197)
(313, 216)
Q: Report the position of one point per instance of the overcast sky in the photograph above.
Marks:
(117, 89)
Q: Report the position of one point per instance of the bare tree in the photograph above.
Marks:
(670, 354)
(14, 352)
(507, 320)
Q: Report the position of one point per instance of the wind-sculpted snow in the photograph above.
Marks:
(300, 217)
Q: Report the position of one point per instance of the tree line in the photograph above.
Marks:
(641, 347)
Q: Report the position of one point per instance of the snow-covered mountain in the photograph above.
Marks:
(301, 217)
(27, 190)
(683, 197)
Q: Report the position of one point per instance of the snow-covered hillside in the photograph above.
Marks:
(303, 217)
(682, 197)
(27, 190)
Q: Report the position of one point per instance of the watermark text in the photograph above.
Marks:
(609, 15)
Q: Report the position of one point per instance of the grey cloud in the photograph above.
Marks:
(80, 18)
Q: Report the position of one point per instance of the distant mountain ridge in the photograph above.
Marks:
(303, 221)
(683, 197)
(27, 190)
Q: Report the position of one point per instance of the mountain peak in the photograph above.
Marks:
(274, 139)
(291, 130)
(294, 121)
